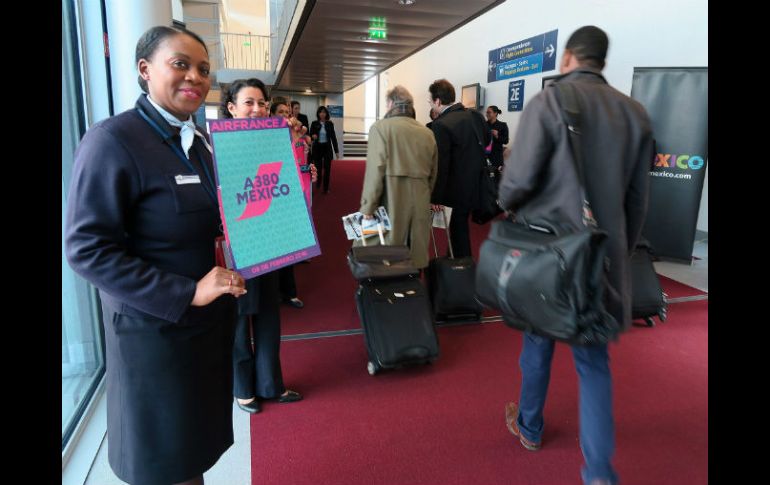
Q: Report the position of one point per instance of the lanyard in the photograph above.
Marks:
(181, 156)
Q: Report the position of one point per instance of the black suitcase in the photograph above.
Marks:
(398, 326)
(452, 284)
(647, 297)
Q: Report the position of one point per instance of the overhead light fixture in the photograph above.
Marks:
(308, 90)
(406, 3)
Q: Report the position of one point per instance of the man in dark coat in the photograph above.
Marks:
(540, 183)
(461, 135)
(295, 107)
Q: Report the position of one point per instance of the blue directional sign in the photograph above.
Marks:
(529, 56)
(516, 95)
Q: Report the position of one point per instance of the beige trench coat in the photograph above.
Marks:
(401, 167)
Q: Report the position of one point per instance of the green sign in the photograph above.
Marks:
(378, 28)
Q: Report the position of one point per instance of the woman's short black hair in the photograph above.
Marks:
(149, 41)
(495, 109)
(231, 93)
(318, 113)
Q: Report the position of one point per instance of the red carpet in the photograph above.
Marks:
(675, 289)
(444, 424)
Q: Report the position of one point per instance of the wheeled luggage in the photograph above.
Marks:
(397, 322)
(452, 284)
(647, 297)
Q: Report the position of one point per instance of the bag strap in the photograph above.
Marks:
(570, 109)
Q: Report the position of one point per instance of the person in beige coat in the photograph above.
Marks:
(401, 168)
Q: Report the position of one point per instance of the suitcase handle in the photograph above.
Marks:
(448, 239)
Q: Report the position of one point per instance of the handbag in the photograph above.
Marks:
(380, 262)
(546, 279)
(488, 208)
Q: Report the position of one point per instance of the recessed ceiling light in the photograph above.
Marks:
(407, 2)
(308, 90)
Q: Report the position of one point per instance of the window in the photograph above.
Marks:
(82, 341)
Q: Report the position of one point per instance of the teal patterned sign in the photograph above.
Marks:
(266, 219)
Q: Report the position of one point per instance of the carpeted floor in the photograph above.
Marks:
(444, 423)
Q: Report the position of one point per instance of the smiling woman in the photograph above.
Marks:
(141, 224)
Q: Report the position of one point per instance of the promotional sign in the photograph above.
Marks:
(529, 56)
(265, 216)
(516, 95)
(335, 111)
(676, 99)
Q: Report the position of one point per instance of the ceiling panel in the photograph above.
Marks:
(332, 54)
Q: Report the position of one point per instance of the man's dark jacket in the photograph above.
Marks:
(461, 136)
(540, 183)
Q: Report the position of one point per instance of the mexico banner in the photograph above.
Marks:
(676, 98)
(265, 214)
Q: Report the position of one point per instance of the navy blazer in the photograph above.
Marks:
(315, 129)
(132, 230)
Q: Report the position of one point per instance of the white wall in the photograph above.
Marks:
(650, 33)
(354, 101)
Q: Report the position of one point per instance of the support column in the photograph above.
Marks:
(126, 22)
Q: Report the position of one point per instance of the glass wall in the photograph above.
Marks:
(82, 365)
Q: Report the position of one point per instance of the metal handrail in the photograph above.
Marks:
(245, 51)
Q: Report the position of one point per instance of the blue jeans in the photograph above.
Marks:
(597, 433)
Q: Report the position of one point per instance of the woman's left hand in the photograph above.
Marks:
(313, 173)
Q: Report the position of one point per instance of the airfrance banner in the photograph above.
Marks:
(529, 56)
(676, 98)
(265, 216)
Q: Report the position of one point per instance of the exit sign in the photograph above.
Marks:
(378, 28)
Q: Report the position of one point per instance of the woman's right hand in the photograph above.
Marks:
(217, 282)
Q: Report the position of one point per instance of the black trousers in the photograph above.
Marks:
(257, 372)
(287, 283)
(322, 155)
(459, 232)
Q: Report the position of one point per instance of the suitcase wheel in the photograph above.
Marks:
(649, 322)
(662, 314)
(372, 368)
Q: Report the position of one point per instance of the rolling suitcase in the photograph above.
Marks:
(647, 297)
(398, 326)
(452, 284)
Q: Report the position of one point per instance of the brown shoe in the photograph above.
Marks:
(511, 414)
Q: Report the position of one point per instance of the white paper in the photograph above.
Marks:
(438, 219)
(356, 226)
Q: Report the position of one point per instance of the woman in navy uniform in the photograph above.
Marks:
(257, 372)
(142, 218)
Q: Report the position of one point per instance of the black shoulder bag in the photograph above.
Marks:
(546, 280)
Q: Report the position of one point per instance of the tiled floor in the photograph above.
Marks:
(234, 468)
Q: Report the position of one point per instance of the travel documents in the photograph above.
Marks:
(357, 227)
